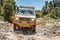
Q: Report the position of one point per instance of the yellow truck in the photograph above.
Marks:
(25, 19)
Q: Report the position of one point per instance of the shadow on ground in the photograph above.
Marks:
(24, 32)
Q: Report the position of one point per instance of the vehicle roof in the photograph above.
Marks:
(27, 7)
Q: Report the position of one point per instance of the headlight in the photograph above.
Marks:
(17, 18)
(32, 19)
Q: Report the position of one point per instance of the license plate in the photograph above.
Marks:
(24, 22)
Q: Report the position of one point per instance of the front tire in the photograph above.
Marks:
(15, 27)
(34, 29)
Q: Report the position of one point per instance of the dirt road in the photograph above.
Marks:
(46, 32)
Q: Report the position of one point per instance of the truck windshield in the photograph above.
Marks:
(27, 12)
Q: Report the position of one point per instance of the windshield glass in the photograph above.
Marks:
(27, 12)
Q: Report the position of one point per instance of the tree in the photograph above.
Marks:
(46, 4)
(53, 9)
(44, 11)
(1, 2)
(50, 4)
(8, 13)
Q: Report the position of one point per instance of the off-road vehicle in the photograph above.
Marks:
(25, 19)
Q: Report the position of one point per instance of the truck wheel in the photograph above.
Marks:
(24, 31)
(14, 27)
(34, 29)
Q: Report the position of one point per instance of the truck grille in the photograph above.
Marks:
(25, 19)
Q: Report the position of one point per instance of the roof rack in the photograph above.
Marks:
(26, 7)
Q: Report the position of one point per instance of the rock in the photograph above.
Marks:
(20, 37)
(45, 32)
(5, 26)
(8, 36)
(50, 30)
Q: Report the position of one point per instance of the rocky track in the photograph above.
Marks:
(46, 32)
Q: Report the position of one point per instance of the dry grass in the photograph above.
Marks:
(43, 21)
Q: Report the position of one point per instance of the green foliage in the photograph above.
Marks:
(59, 19)
(44, 11)
(38, 13)
(1, 17)
(55, 13)
(8, 13)
(53, 10)
(8, 10)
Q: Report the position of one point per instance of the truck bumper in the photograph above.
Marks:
(25, 25)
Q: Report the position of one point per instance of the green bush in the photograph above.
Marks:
(59, 19)
(37, 15)
(1, 17)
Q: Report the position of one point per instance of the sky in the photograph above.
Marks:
(37, 4)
